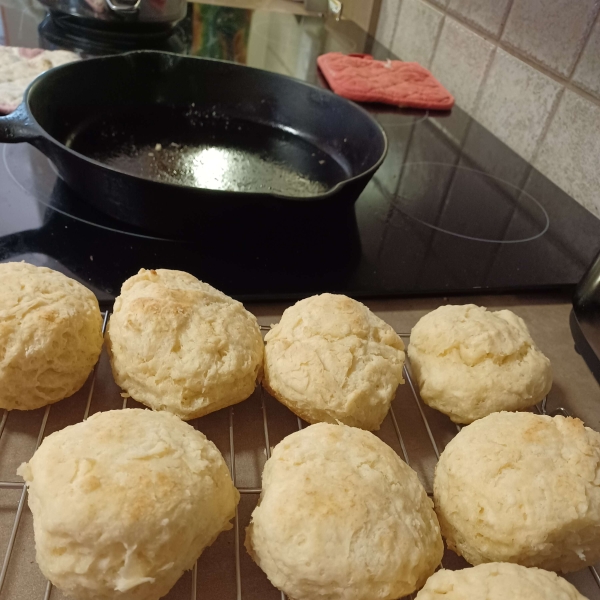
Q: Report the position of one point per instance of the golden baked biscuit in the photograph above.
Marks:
(342, 517)
(470, 362)
(50, 335)
(178, 344)
(522, 488)
(331, 359)
(498, 581)
(125, 502)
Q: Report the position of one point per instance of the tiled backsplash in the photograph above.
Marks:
(527, 70)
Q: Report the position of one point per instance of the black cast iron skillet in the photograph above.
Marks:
(168, 142)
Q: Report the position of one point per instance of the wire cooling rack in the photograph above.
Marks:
(245, 434)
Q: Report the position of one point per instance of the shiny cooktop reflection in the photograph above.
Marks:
(37, 178)
(451, 209)
(469, 203)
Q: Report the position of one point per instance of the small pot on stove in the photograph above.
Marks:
(121, 14)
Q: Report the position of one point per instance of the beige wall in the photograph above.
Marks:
(528, 70)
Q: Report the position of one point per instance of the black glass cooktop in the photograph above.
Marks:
(451, 210)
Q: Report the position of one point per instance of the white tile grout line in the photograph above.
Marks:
(436, 42)
(567, 83)
(505, 18)
(585, 41)
(395, 27)
(480, 89)
(549, 120)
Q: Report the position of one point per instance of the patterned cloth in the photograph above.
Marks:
(361, 78)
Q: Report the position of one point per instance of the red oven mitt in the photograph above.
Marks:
(361, 78)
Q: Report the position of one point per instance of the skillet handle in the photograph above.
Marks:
(18, 127)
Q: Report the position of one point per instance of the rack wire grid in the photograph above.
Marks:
(245, 434)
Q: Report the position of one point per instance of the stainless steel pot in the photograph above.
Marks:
(122, 11)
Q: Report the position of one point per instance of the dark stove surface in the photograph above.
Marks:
(451, 210)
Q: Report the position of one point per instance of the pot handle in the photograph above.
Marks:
(18, 127)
